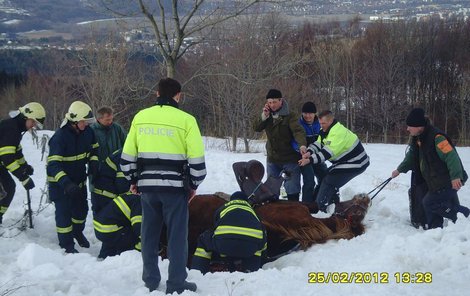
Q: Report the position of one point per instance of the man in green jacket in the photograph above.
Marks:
(110, 135)
(282, 130)
(433, 156)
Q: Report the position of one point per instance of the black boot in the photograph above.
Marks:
(81, 240)
(293, 197)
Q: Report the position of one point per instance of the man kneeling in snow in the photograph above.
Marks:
(117, 225)
(238, 235)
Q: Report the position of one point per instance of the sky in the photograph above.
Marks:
(31, 262)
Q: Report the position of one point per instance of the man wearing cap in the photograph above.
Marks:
(434, 158)
(12, 161)
(238, 234)
(282, 128)
(72, 147)
(309, 121)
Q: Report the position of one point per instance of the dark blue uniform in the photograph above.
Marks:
(11, 158)
(238, 234)
(108, 183)
(118, 224)
(69, 153)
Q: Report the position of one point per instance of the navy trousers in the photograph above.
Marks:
(331, 184)
(171, 209)
(9, 186)
(70, 215)
(441, 204)
(114, 243)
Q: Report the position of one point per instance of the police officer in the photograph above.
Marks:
(238, 234)
(118, 224)
(71, 148)
(161, 143)
(108, 183)
(29, 116)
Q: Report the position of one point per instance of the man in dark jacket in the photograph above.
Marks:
(238, 234)
(434, 158)
(118, 224)
(71, 148)
(12, 160)
(282, 127)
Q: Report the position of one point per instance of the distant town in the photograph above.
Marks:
(73, 36)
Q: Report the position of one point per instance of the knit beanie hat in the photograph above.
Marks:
(238, 195)
(416, 118)
(309, 107)
(274, 94)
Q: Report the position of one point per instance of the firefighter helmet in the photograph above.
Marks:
(34, 111)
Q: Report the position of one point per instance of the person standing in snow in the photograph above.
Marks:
(434, 158)
(309, 121)
(282, 128)
(72, 147)
(343, 149)
(31, 115)
(163, 158)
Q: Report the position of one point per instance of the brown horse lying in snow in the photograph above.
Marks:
(288, 223)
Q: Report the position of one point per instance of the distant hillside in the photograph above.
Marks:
(25, 15)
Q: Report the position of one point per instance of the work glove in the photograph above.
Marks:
(28, 183)
(73, 190)
(28, 170)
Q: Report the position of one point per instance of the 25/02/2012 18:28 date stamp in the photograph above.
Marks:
(334, 277)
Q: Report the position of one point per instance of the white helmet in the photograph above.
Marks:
(34, 111)
(78, 111)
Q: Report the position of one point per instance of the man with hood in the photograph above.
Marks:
(72, 147)
(31, 115)
(282, 128)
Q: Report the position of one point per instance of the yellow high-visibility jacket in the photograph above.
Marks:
(164, 146)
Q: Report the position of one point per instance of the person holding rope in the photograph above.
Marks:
(343, 149)
(434, 159)
(31, 115)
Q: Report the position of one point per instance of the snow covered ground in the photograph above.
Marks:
(32, 263)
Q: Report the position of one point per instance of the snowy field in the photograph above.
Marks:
(31, 263)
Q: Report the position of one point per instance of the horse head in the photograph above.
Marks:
(354, 210)
(249, 175)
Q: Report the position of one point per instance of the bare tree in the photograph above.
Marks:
(179, 25)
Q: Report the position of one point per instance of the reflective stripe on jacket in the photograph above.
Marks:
(161, 141)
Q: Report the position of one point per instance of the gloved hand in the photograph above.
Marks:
(93, 169)
(73, 190)
(28, 170)
(28, 183)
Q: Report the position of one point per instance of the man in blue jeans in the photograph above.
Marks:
(163, 158)
(309, 121)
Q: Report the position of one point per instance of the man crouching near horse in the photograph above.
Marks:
(238, 235)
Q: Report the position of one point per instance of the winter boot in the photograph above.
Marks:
(71, 250)
(81, 240)
(180, 289)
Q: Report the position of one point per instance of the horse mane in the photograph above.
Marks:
(315, 232)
